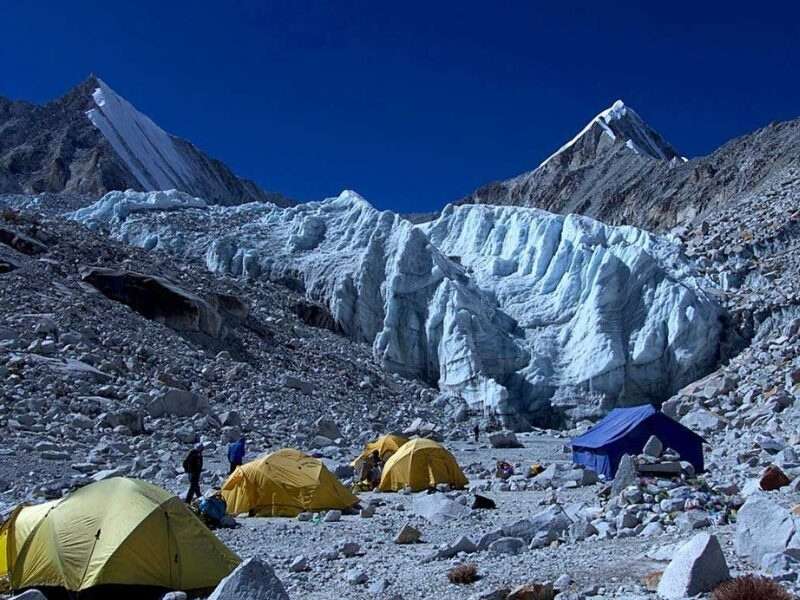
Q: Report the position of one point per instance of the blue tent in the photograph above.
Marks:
(626, 431)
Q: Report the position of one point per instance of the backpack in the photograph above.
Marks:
(213, 508)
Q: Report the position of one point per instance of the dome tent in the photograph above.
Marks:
(116, 532)
(421, 464)
(284, 484)
(386, 445)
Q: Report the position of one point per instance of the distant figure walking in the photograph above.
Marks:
(476, 431)
(193, 466)
(236, 452)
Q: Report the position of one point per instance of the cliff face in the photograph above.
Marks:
(92, 141)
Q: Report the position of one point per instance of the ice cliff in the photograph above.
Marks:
(506, 307)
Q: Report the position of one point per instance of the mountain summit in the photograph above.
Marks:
(584, 174)
(617, 124)
(92, 140)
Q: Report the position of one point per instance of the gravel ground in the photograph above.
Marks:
(596, 565)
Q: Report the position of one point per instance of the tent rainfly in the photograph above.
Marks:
(386, 445)
(284, 484)
(114, 532)
(626, 431)
(421, 464)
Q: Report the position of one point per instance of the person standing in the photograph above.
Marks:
(476, 431)
(193, 466)
(236, 452)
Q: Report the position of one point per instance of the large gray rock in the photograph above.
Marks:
(702, 421)
(437, 508)
(161, 300)
(653, 447)
(697, 567)
(408, 535)
(251, 580)
(545, 526)
(127, 417)
(178, 403)
(626, 475)
(507, 545)
(765, 527)
(504, 439)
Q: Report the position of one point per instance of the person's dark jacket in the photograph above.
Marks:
(193, 463)
(236, 451)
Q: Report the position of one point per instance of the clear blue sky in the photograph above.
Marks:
(413, 104)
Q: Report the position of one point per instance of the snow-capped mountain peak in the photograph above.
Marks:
(92, 141)
(621, 124)
(147, 150)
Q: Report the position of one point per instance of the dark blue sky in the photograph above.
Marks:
(413, 104)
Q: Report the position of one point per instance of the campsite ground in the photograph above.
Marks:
(609, 564)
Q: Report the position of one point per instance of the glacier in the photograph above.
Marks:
(519, 312)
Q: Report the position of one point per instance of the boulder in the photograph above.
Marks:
(356, 576)
(765, 527)
(161, 300)
(332, 516)
(438, 508)
(504, 439)
(776, 564)
(483, 503)
(177, 403)
(626, 475)
(508, 545)
(462, 544)
(692, 519)
(251, 580)
(697, 567)
(702, 421)
(547, 525)
(230, 418)
(127, 417)
(408, 535)
(653, 447)
(773, 479)
(327, 428)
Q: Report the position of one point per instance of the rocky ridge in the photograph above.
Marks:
(601, 176)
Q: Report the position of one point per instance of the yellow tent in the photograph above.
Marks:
(284, 484)
(386, 445)
(117, 531)
(421, 464)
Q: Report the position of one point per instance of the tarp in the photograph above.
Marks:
(421, 464)
(115, 532)
(626, 431)
(386, 445)
(284, 484)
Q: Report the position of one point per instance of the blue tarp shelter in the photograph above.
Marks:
(626, 431)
